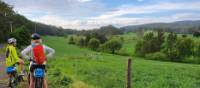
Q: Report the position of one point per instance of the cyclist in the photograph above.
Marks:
(12, 58)
(28, 53)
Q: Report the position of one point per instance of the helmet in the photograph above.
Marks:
(12, 40)
(35, 36)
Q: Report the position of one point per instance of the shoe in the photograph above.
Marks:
(23, 73)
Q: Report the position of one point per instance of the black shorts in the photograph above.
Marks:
(33, 67)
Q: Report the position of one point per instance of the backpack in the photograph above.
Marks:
(39, 54)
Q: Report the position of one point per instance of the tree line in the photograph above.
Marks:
(168, 47)
(97, 41)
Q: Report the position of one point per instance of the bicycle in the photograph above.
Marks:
(14, 78)
(39, 73)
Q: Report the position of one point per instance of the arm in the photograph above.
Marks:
(25, 52)
(50, 51)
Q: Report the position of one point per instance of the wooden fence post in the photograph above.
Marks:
(128, 74)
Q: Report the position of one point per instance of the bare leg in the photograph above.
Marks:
(45, 83)
(21, 64)
(31, 81)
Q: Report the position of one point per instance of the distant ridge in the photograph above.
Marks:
(186, 26)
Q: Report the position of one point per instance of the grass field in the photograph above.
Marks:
(81, 68)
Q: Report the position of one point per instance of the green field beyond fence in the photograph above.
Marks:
(78, 67)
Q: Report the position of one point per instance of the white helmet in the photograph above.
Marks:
(12, 40)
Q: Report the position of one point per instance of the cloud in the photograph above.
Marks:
(160, 7)
(88, 14)
(84, 0)
(140, 0)
(118, 21)
(62, 8)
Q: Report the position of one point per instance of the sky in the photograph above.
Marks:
(90, 14)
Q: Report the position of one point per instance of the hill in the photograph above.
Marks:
(10, 19)
(178, 27)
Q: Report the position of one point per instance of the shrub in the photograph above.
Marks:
(112, 45)
(71, 40)
(192, 59)
(197, 48)
(184, 46)
(81, 42)
(65, 81)
(94, 44)
(150, 43)
(139, 48)
(157, 56)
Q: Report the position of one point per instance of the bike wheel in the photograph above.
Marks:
(16, 79)
(38, 83)
(12, 82)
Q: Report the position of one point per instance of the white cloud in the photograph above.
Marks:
(87, 14)
(123, 10)
(140, 0)
(65, 8)
(84, 0)
(118, 21)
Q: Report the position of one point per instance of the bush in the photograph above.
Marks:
(150, 43)
(139, 48)
(111, 46)
(81, 42)
(197, 48)
(94, 44)
(157, 56)
(65, 81)
(192, 59)
(71, 40)
(184, 46)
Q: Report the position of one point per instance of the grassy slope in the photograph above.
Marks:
(129, 43)
(93, 69)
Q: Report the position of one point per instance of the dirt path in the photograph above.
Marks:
(3, 76)
(3, 79)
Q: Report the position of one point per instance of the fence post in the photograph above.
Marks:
(128, 74)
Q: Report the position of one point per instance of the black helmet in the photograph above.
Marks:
(35, 36)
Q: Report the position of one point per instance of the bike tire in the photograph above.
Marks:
(38, 83)
(12, 82)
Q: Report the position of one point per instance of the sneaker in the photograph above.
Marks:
(23, 73)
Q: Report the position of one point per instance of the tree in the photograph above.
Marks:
(22, 35)
(81, 42)
(169, 46)
(196, 34)
(71, 40)
(197, 48)
(184, 46)
(102, 38)
(87, 39)
(150, 43)
(94, 44)
(112, 45)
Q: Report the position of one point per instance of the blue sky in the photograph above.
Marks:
(89, 14)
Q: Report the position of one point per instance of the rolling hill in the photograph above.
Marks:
(178, 27)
